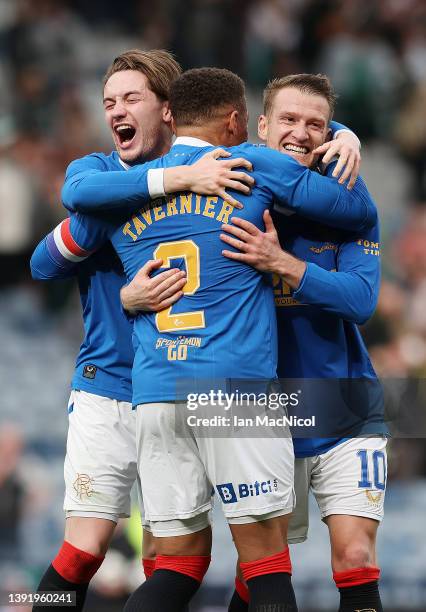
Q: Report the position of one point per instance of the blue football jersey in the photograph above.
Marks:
(224, 326)
(104, 362)
(318, 333)
(105, 359)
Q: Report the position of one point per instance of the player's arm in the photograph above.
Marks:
(69, 243)
(309, 194)
(57, 255)
(90, 187)
(351, 292)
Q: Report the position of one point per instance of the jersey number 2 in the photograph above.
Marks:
(184, 249)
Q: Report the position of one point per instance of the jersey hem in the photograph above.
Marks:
(102, 392)
(313, 454)
(154, 400)
(258, 511)
(177, 515)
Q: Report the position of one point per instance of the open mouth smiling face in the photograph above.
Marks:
(134, 114)
(296, 125)
(125, 134)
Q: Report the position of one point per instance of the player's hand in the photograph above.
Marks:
(153, 293)
(212, 176)
(262, 250)
(347, 147)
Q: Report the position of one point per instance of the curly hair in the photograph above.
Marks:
(314, 84)
(202, 94)
(159, 67)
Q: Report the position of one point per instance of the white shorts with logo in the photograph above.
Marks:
(100, 464)
(349, 479)
(253, 476)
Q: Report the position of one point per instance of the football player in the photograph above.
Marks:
(326, 283)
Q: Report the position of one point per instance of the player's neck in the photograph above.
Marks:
(211, 135)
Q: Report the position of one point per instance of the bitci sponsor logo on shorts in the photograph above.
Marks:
(230, 494)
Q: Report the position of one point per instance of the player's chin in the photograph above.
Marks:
(129, 154)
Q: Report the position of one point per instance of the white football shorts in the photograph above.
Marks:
(100, 464)
(349, 479)
(252, 476)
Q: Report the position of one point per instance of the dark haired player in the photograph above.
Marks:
(100, 464)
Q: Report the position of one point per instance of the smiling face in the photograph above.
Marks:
(296, 124)
(140, 122)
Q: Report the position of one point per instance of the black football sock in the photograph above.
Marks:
(271, 592)
(362, 596)
(52, 581)
(165, 591)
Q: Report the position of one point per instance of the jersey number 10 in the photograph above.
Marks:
(379, 469)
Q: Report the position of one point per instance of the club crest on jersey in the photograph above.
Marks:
(230, 494)
(328, 246)
(89, 371)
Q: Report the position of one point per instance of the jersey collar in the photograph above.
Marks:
(125, 166)
(191, 142)
(180, 140)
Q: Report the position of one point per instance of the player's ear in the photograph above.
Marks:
(173, 124)
(233, 122)
(167, 114)
(328, 136)
(262, 127)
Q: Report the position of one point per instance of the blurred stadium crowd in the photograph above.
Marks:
(53, 54)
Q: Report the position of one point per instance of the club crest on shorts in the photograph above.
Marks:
(89, 371)
(83, 485)
(374, 498)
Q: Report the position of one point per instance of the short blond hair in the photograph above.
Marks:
(314, 84)
(159, 67)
